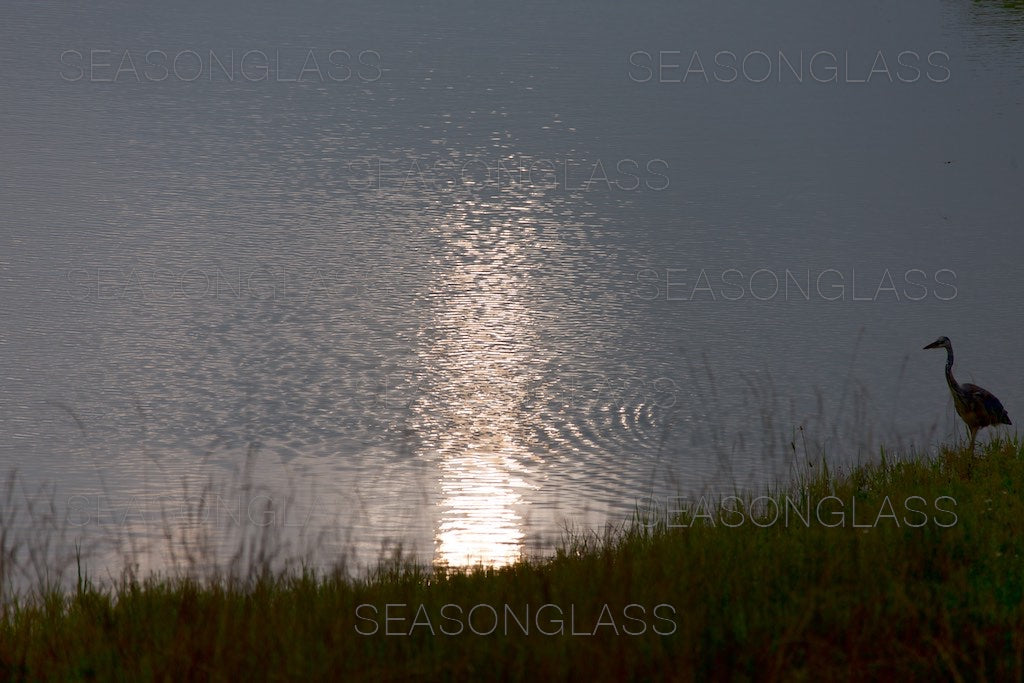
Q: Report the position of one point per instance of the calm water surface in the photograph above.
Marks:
(457, 278)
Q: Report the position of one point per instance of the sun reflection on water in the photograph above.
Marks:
(479, 352)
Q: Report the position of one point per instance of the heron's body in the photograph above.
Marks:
(977, 407)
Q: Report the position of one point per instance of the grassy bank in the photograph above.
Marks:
(905, 568)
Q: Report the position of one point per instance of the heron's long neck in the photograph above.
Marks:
(949, 370)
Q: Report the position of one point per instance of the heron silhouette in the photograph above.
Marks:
(977, 407)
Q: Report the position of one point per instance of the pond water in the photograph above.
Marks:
(457, 278)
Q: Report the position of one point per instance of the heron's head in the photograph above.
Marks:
(940, 343)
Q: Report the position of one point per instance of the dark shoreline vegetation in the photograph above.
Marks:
(910, 566)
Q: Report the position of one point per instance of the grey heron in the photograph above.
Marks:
(977, 407)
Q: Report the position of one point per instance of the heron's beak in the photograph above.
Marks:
(934, 345)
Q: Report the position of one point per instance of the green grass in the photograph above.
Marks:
(780, 601)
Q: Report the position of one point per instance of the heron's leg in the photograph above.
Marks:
(974, 433)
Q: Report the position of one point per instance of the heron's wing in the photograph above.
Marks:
(984, 403)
